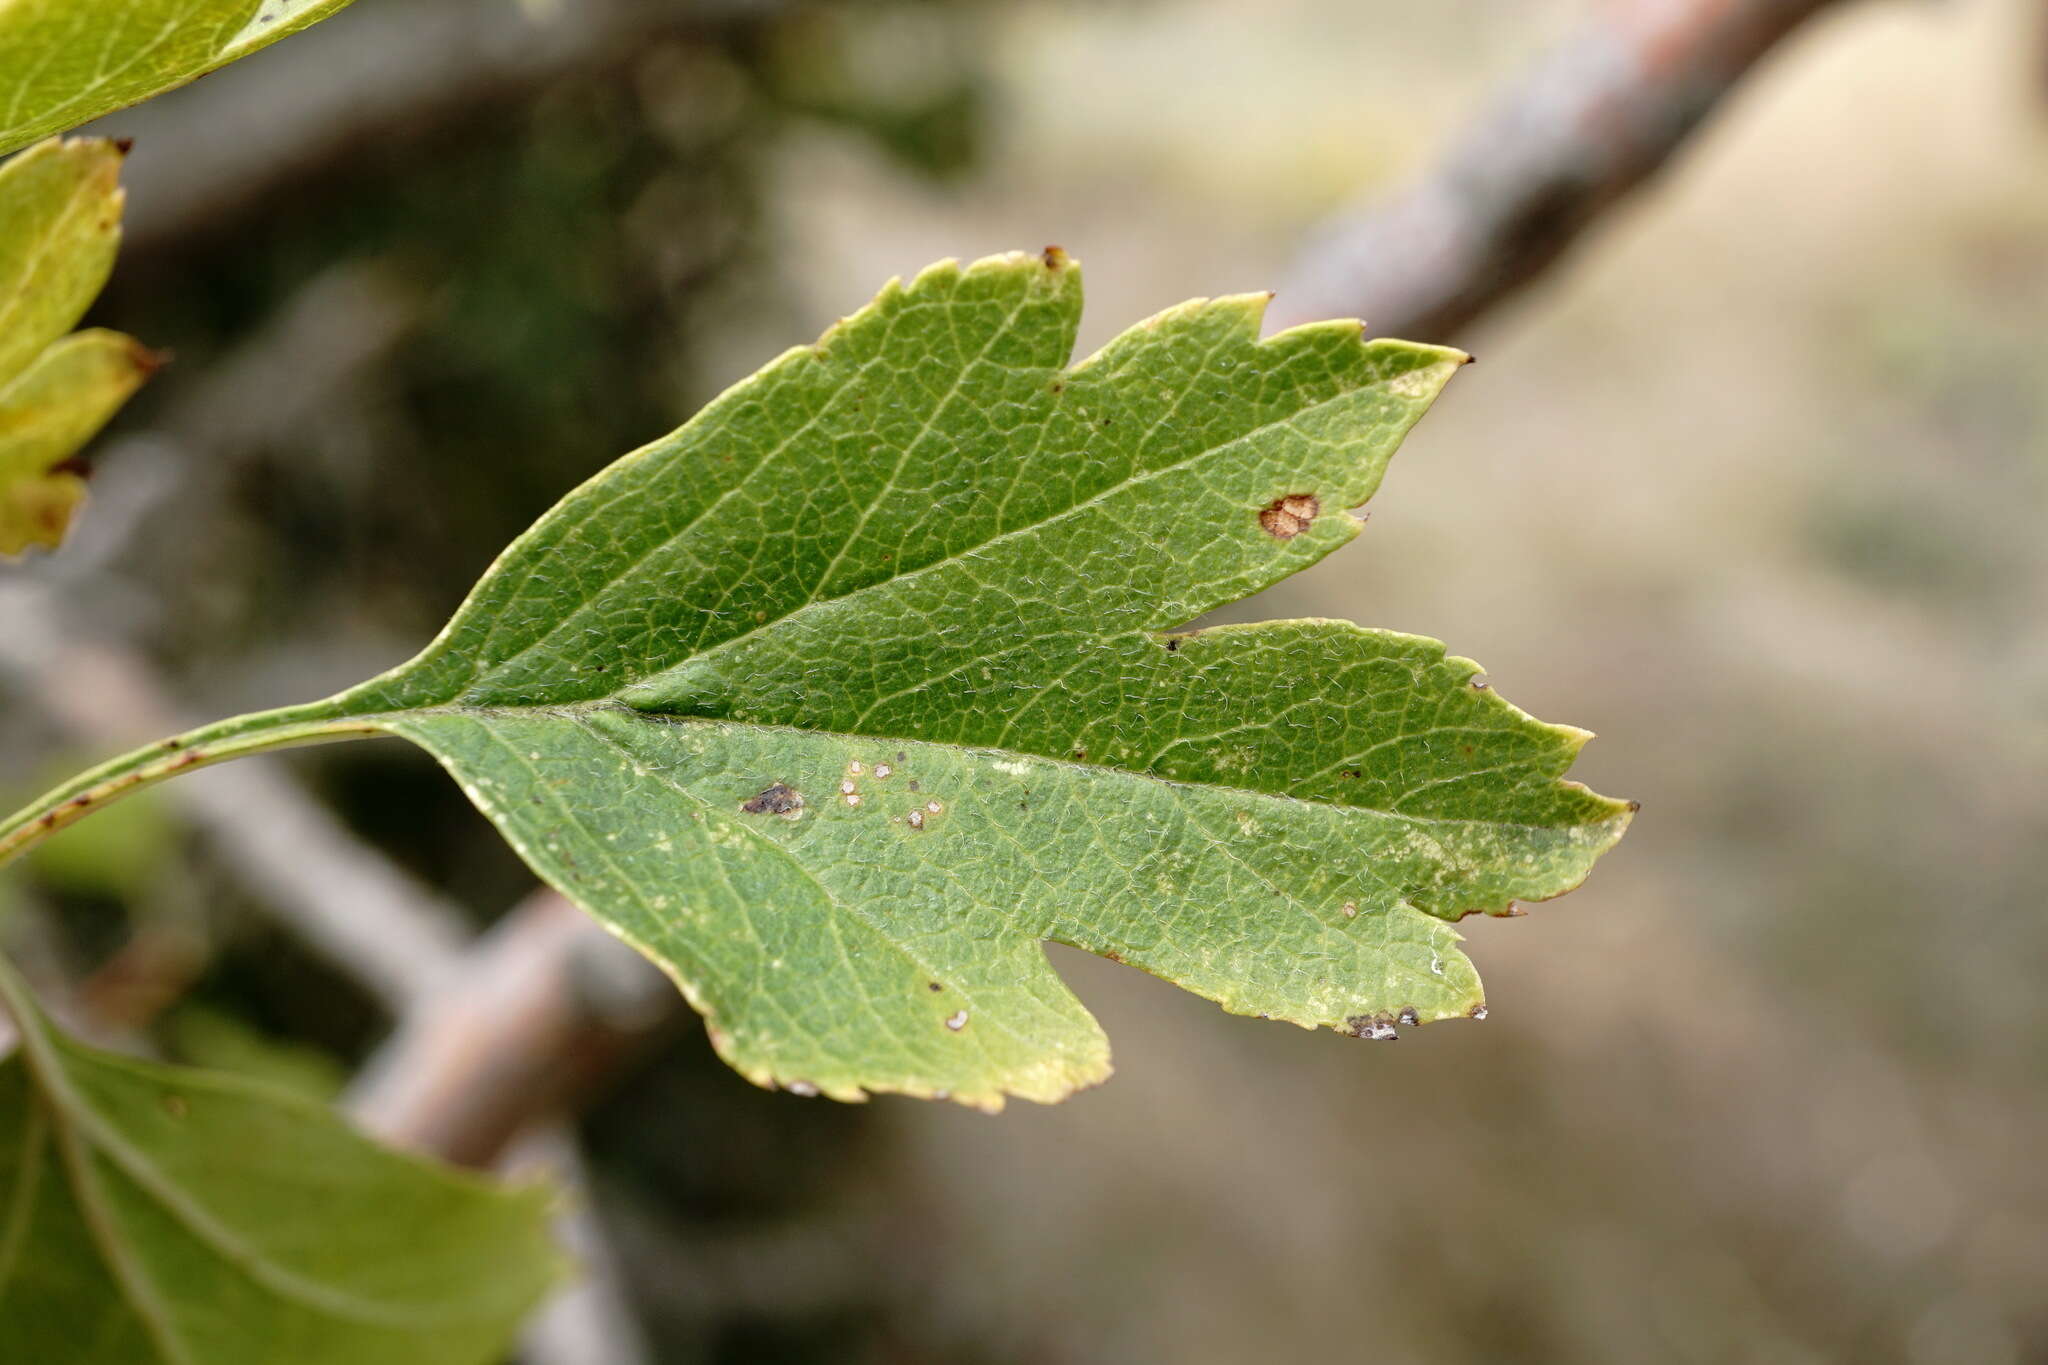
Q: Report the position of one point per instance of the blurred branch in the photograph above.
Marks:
(1580, 130)
(542, 1010)
(543, 1007)
(589, 1321)
(377, 76)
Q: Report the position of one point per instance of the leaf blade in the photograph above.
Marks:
(932, 537)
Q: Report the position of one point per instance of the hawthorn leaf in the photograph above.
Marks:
(161, 1214)
(64, 62)
(60, 225)
(842, 699)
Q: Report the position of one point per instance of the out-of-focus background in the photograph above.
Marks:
(1753, 483)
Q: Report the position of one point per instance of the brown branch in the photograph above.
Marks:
(1585, 126)
(538, 1013)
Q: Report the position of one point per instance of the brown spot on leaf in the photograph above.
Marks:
(1054, 257)
(1288, 517)
(774, 800)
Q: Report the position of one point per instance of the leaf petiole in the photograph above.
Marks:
(235, 737)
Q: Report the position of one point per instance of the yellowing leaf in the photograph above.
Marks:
(46, 415)
(60, 225)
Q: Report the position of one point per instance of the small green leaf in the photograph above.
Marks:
(843, 698)
(63, 62)
(156, 1214)
(60, 224)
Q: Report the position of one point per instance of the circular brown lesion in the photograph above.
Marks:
(1285, 518)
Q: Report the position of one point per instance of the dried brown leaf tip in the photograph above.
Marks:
(1288, 517)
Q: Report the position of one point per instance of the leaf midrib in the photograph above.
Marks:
(575, 711)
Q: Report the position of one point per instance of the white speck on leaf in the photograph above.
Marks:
(958, 1021)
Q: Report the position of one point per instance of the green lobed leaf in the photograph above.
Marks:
(844, 697)
(63, 62)
(60, 225)
(158, 1214)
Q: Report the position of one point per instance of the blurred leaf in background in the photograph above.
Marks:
(166, 1215)
(213, 1038)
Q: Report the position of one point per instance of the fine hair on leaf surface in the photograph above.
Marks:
(844, 698)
